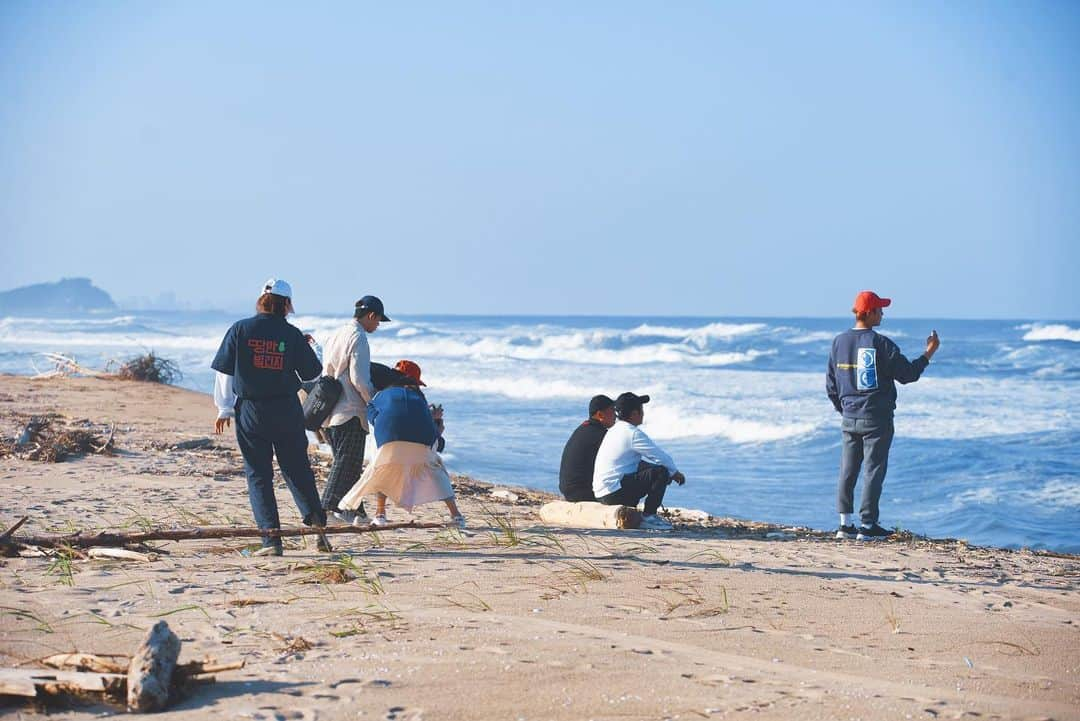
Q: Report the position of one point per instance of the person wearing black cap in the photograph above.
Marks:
(629, 466)
(348, 359)
(260, 364)
(579, 455)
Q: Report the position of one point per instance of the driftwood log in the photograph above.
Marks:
(151, 669)
(114, 538)
(119, 665)
(29, 681)
(587, 514)
(148, 680)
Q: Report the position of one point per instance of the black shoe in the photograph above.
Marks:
(873, 533)
(846, 532)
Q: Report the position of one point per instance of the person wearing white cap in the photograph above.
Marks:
(260, 364)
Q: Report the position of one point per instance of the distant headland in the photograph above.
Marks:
(68, 295)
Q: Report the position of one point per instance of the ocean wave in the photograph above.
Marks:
(712, 330)
(9, 321)
(60, 342)
(1037, 332)
(519, 388)
(581, 348)
(666, 423)
(820, 336)
(969, 408)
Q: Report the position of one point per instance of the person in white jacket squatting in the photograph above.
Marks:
(630, 466)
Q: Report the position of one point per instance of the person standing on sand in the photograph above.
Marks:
(407, 467)
(629, 466)
(579, 454)
(861, 383)
(348, 359)
(260, 364)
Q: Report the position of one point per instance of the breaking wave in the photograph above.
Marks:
(1036, 332)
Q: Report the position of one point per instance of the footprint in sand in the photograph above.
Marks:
(400, 713)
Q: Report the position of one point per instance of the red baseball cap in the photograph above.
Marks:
(868, 300)
(410, 369)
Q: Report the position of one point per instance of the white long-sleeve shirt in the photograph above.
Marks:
(224, 396)
(347, 358)
(624, 446)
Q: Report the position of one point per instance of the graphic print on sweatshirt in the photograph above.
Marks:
(866, 369)
(268, 354)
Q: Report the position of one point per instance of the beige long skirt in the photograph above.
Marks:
(409, 474)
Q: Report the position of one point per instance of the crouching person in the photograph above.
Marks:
(406, 467)
(630, 466)
(260, 364)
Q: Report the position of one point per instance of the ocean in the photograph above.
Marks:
(987, 443)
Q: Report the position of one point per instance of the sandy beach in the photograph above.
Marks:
(511, 619)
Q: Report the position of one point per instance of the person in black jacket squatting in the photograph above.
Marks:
(579, 455)
(861, 383)
(260, 363)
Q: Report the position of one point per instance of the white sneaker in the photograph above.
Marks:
(458, 521)
(655, 523)
(380, 520)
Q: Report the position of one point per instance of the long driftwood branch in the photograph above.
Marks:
(116, 538)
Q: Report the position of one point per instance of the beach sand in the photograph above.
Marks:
(512, 620)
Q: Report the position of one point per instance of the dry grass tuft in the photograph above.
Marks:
(151, 368)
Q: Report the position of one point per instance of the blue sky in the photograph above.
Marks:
(692, 158)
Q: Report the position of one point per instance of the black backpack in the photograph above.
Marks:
(320, 402)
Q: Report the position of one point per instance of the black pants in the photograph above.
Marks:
(649, 482)
(269, 428)
(347, 441)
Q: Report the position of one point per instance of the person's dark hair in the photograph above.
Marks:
(862, 317)
(272, 303)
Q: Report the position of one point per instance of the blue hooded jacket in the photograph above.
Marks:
(401, 414)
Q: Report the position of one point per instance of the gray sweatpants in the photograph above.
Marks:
(866, 443)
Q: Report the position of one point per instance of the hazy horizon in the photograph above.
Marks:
(124, 305)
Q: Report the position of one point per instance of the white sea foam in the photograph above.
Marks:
(16, 321)
(57, 341)
(712, 330)
(511, 387)
(813, 337)
(1037, 332)
(665, 422)
(968, 408)
(1055, 493)
(976, 496)
(574, 347)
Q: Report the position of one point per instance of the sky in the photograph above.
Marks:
(629, 158)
